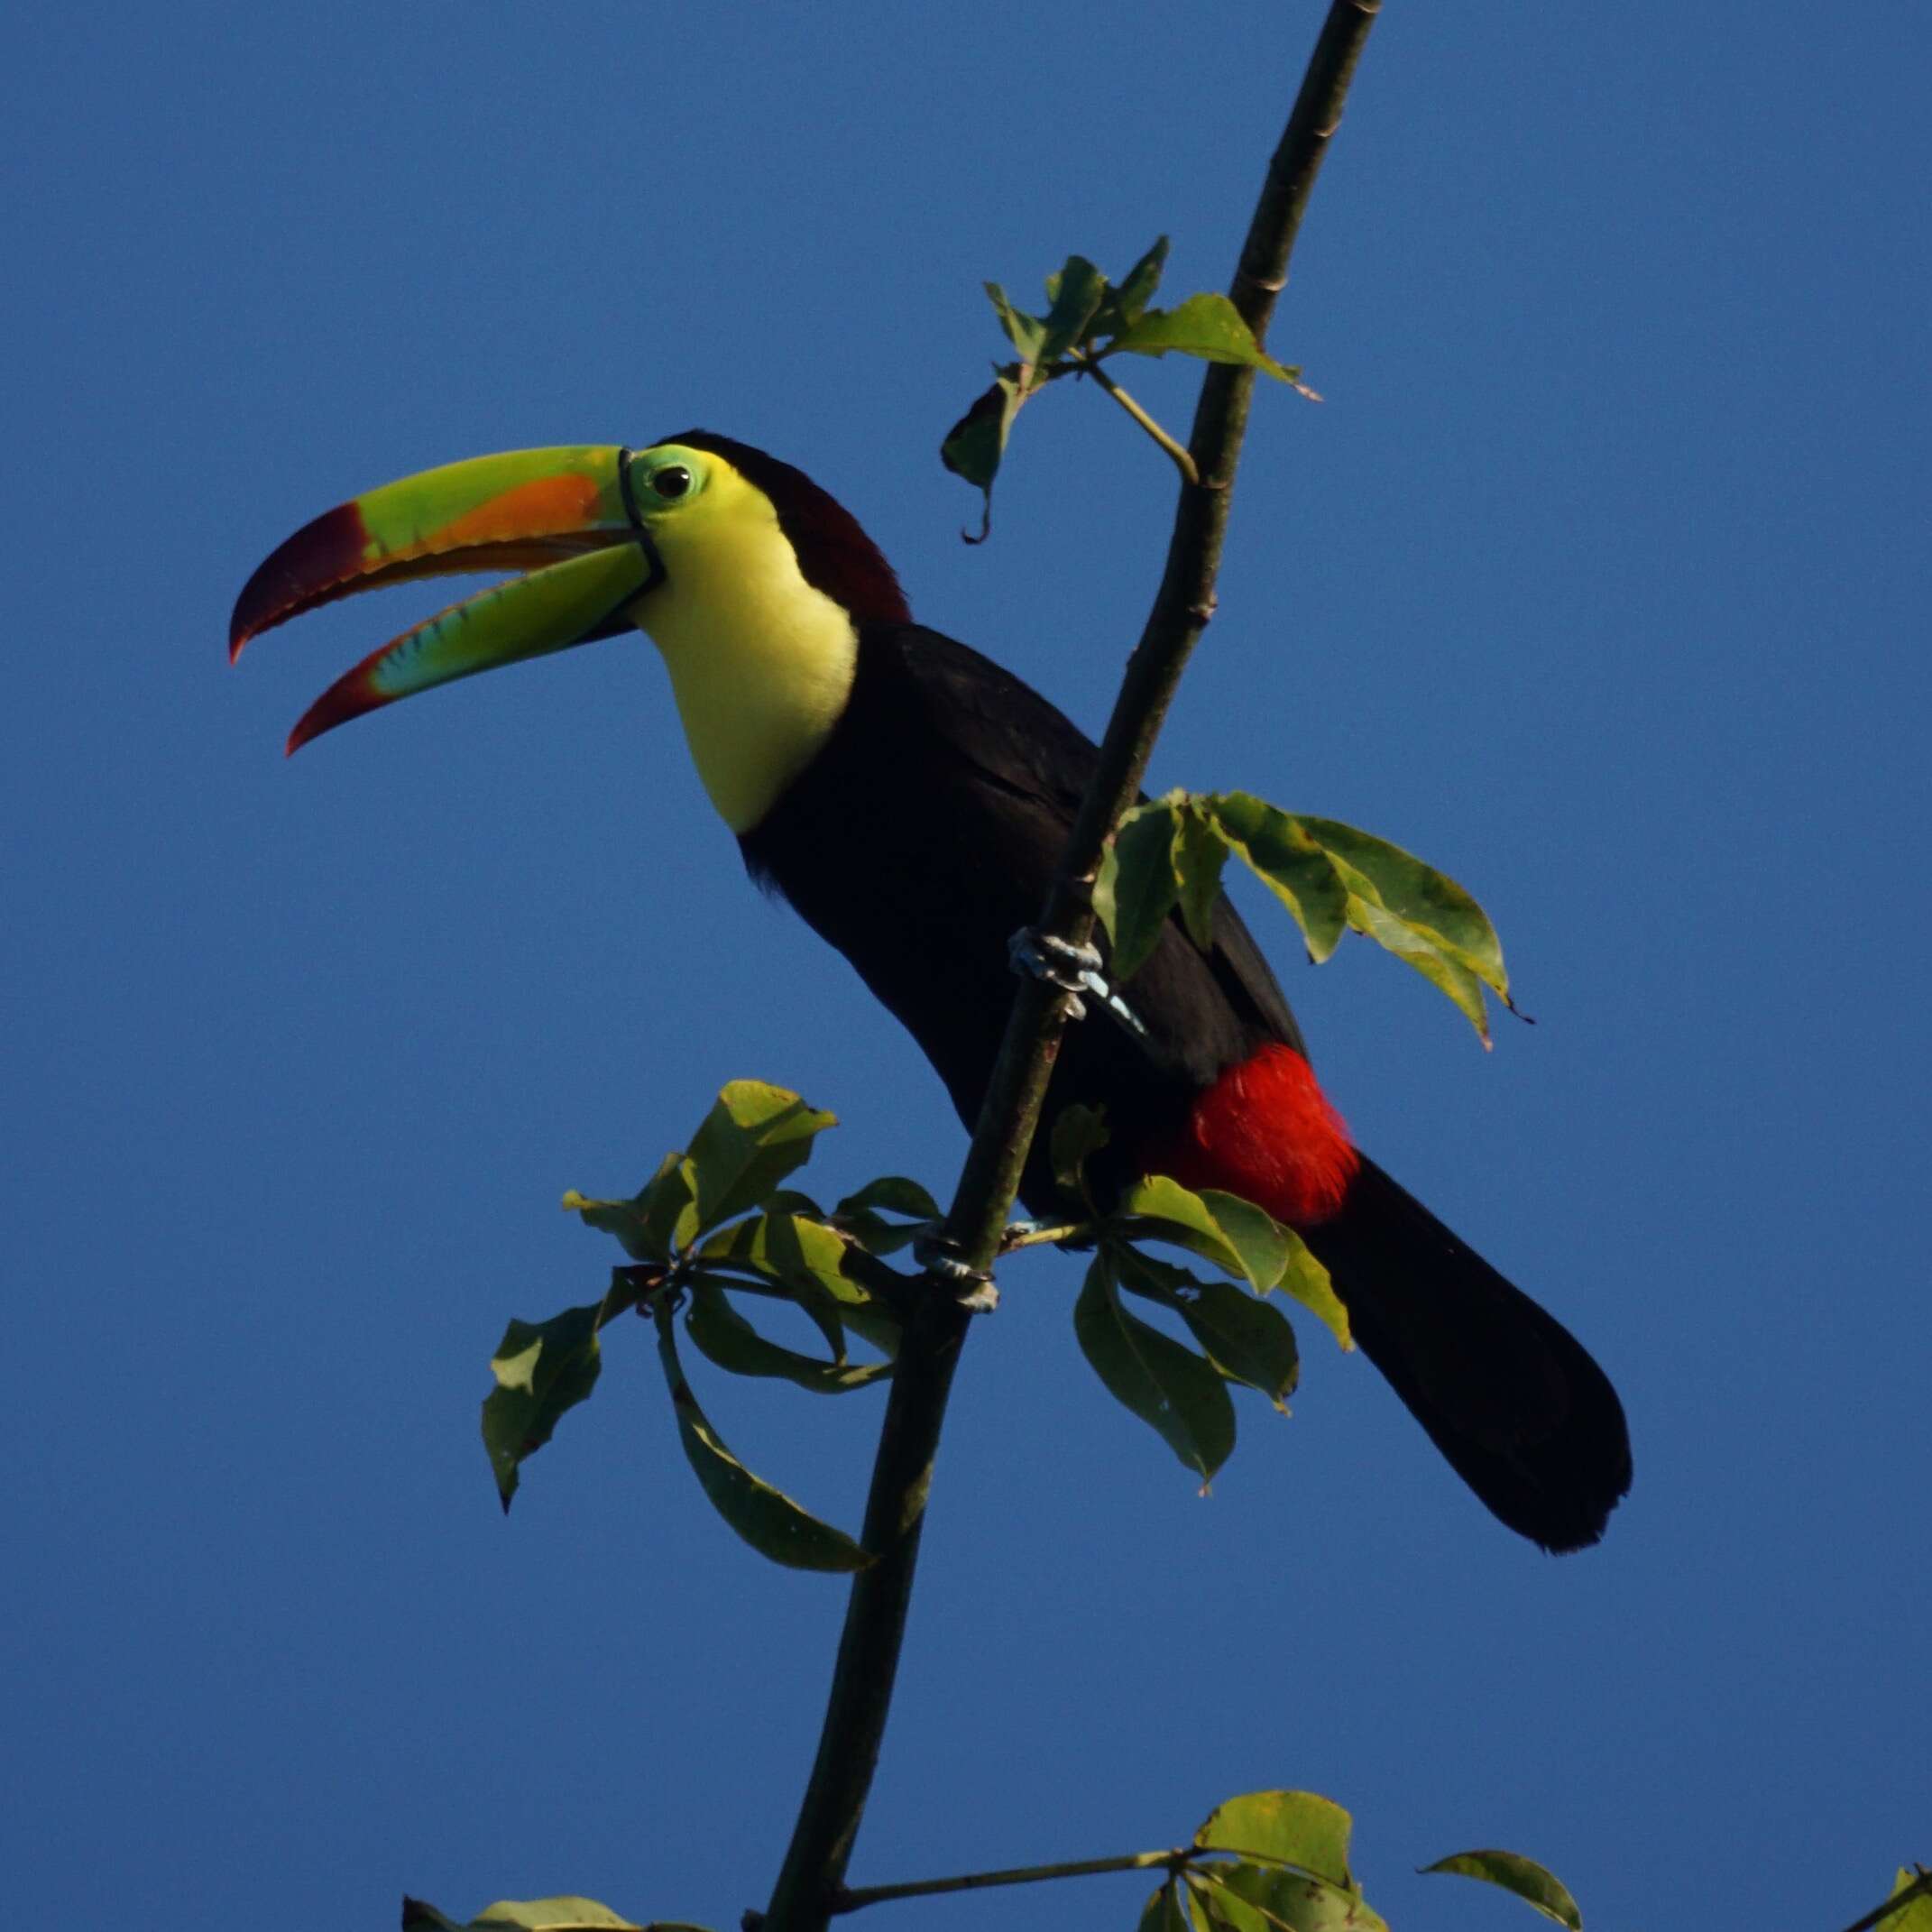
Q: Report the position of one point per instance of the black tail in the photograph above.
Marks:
(1506, 1393)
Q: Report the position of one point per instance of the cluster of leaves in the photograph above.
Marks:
(1182, 1393)
(1264, 1861)
(1168, 855)
(1088, 321)
(715, 1223)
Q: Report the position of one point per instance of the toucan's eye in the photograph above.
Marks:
(672, 482)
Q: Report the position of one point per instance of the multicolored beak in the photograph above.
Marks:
(563, 516)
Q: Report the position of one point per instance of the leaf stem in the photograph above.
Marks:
(1182, 460)
(812, 1879)
(854, 1900)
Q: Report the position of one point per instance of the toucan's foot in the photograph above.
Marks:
(1074, 970)
(938, 1253)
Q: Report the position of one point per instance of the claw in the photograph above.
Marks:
(1074, 970)
(938, 1253)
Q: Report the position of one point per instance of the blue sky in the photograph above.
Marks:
(1599, 578)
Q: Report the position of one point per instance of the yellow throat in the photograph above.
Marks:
(761, 663)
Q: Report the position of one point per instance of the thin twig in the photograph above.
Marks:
(861, 1896)
(1182, 460)
(813, 1876)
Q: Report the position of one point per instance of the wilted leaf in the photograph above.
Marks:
(543, 1369)
(753, 1137)
(727, 1339)
(1530, 1881)
(1294, 1827)
(767, 1518)
(1173, 1390)
(975, 445)
(1206, 326)
(1136, 888)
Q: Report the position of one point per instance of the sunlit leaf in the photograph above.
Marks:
(726, 1337)
(532, 1915)
(1163, 1912)
(750, 1141)
(1289, 1902)
(1176, 1391)
(1294, 1827)
(660, 1217)
(1136, 888)
(1206, 326)
(1232, 1233)
(1307, 1282)
(543, 1369)
(1288, 862)
(1199, 855)
(1916, 1914)
(767, 1519)
(1530, 1881)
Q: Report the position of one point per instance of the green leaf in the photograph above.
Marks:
(1127, 304)
(1024, 331)
(894, 1193)
(1418, 949)
(753, 1137)
(1288, 862)
(1173, 1390)
(1307, 1282)
(1136, 888)
(1249, 1342)
(1232, 1233)
(975, 445)
(543, 1369)
(805, 1257)
(1298, 1828)
(1421, 895)
(553, 1915)
(1199, 855)
(1523, 1876)
(1916, 1914)
(1079, 1134)
(1076, 293)
(725, 1338)
(1206, 326)
(1287, 1902)
(1163, 1912)
(660, 1217)
(768, 1520)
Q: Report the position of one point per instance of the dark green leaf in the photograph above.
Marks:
(1161, 1912)
(1421, 895)
(894, 1193)
(975, 443)
(542, 1369)
(727, 1339)
(1289, 861)
(1136, 888)
(1247, 1341)
(1523, 1876)
(1076, 293)
(770, 1522)
(1291, 1828)
(1079, 1134)
(1199, 855)
(1170, 1387)
(1207, 325)
(751, 1139)
(1127, 303)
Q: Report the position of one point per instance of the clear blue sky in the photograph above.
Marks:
(1600, 578)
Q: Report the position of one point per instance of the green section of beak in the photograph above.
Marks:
(548, 611)
(515, 511)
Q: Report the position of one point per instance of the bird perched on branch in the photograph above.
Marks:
(910, 799)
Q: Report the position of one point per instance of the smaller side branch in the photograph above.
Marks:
(854, 1900)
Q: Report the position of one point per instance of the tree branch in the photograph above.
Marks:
(811, 1882)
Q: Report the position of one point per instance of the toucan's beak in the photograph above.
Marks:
(563, 516)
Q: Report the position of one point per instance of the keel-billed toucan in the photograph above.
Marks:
(910, 799)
